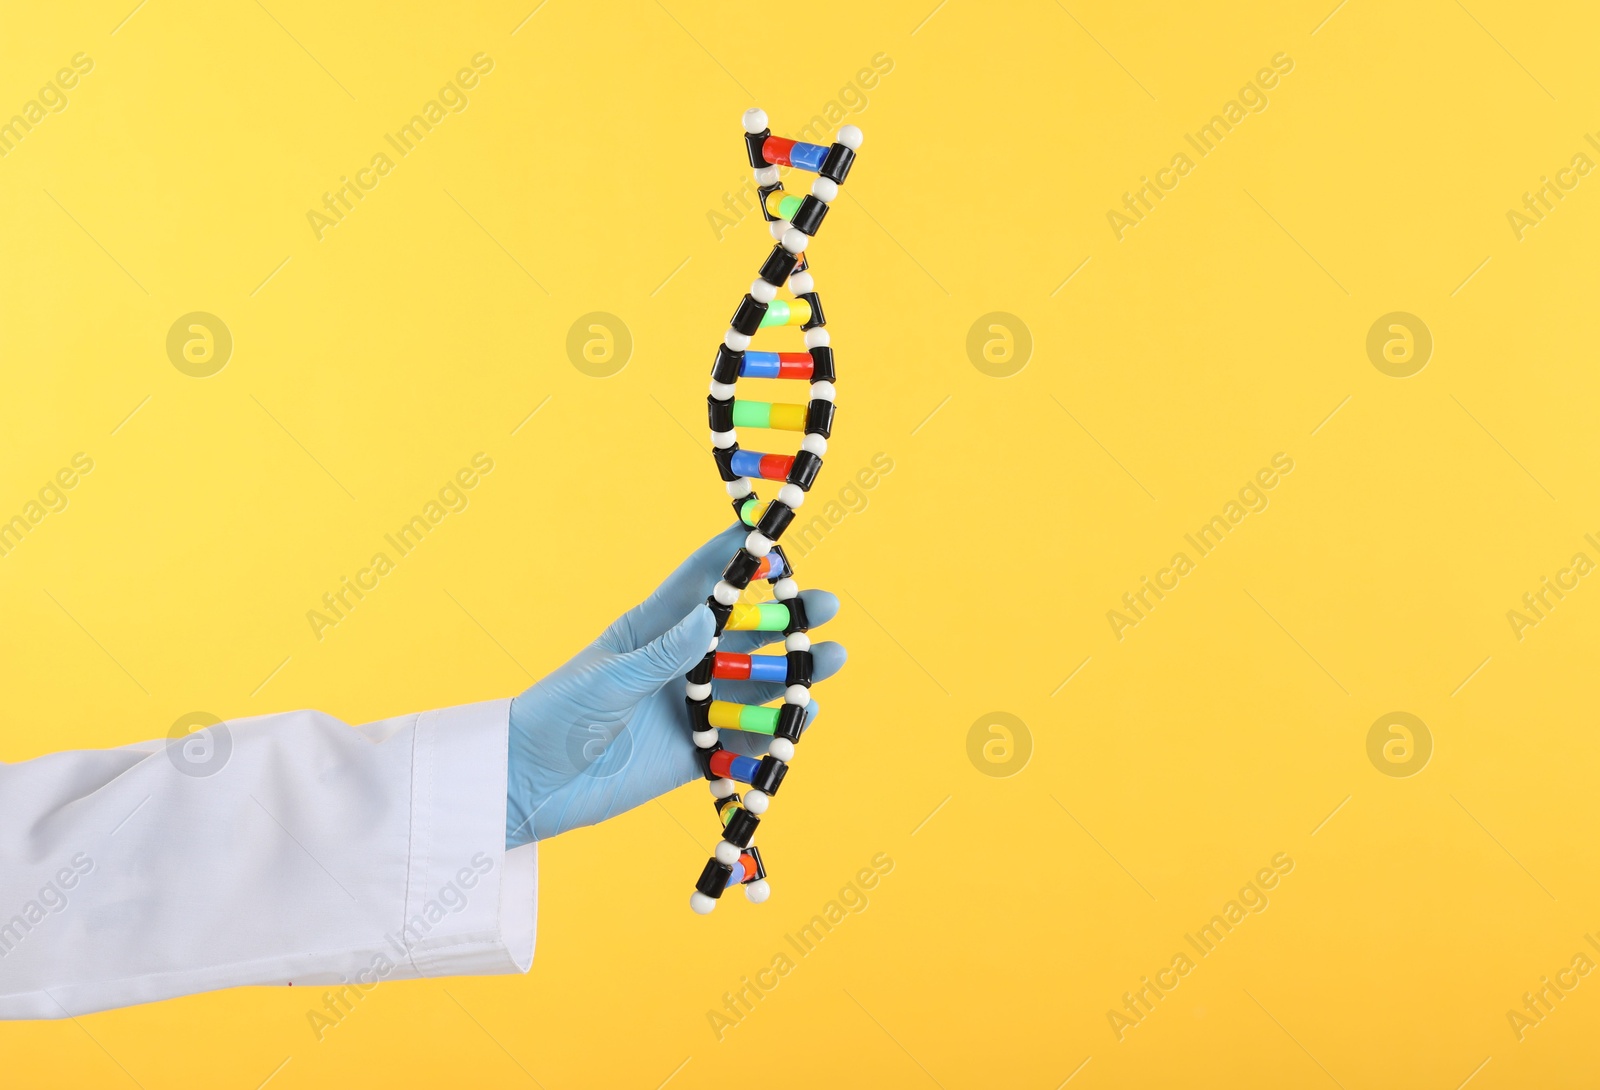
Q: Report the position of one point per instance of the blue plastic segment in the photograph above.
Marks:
(759, 365)
(808, 156)
(746, 463)
(769, 668)
(743, 768)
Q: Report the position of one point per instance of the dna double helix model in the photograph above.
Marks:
(793, 222)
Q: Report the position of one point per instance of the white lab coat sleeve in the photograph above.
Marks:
(280, 850)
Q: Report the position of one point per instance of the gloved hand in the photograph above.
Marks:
(609, 730)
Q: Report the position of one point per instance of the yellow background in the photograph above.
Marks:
(1225, 328)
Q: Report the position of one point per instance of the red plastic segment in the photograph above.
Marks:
(730, 667)
(775, 467)
(721, 762)
(776, 150)
(794, 365)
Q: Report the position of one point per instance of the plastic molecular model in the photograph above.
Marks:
(793, 221)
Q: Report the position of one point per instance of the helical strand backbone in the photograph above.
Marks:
(793, 222)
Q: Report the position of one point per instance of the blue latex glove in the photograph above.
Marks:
(609, 730)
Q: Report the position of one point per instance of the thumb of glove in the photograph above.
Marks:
(670, 655)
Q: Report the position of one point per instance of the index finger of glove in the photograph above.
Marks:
(688, 585)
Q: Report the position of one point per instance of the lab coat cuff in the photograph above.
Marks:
(470, 905)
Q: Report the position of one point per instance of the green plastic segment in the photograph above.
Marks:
(777, 313)
(753, 414)
(772, 617)
(750, 511)
(788, 206)
(758, 719)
